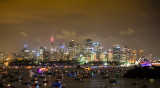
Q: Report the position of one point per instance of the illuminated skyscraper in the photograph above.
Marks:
(62, 51)
(97, 47)
(110, 55)
(2, 56)
(41, 50)
(40, 53)
(116, 53)
(140, 54)
(129, 55)
(124, 55)
(89, 46)
(71, 45)
(134, 57)
(98, 50)
(25, 49)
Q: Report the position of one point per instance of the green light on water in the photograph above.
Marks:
(152, 80)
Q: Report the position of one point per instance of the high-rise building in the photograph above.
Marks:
(46, 55)
(134, 56)
(41, 52)
(129, 55)
(88, 42)
(71, 43)
(110, 55)
(97, 47)
(70, 47)
(25, 49)
(116, 53)
(104, 56)
(89, 46)
(124, 55)
(62, 48)
(98, 50)
(2, 56)
(77, 49)
(33, 54)
(25, 52)
(140, 54)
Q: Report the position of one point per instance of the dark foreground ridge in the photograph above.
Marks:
(143, 72)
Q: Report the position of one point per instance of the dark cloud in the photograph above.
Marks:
(128, 31)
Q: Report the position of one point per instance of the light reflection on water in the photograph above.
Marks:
(95, 82)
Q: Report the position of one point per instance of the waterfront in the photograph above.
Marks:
(90, 82)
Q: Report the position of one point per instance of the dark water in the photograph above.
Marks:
(90, 82)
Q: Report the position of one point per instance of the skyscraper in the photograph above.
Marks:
(89, 46)
(140, 54)
(134, 56)
(98, 50)
(124, 55)
(71, 43)
(116, 53)
(110, 55)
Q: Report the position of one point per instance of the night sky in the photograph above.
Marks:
(135, 23)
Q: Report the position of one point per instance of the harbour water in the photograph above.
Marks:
(90, 82)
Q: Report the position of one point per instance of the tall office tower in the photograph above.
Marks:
(25, 49)
(134, 56)
(77, 48)
(110, 55)
(41, 52)
(46, 55)
(116, 53)
(71, 45)
(129, 55)
(52, 40)
(140, 55)
(96, 47)
(25, 52)
(98, 50)
(2, 56)
(62, 48)
(104, 56)
(62, 51)
(124, 55)
(89, 46)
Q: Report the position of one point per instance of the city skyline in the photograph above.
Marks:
(133, 23)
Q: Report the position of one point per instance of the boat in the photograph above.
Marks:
(26, 83)
(81, 80)
(36, 85)
(2, 84)
(112, 81)
(45, 80)
(106, 76)
(56, 84)
(78, 67)
(135, 83)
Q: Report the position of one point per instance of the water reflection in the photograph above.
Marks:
(152, 80)
(94, 79)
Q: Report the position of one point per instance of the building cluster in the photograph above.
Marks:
(92, 51)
